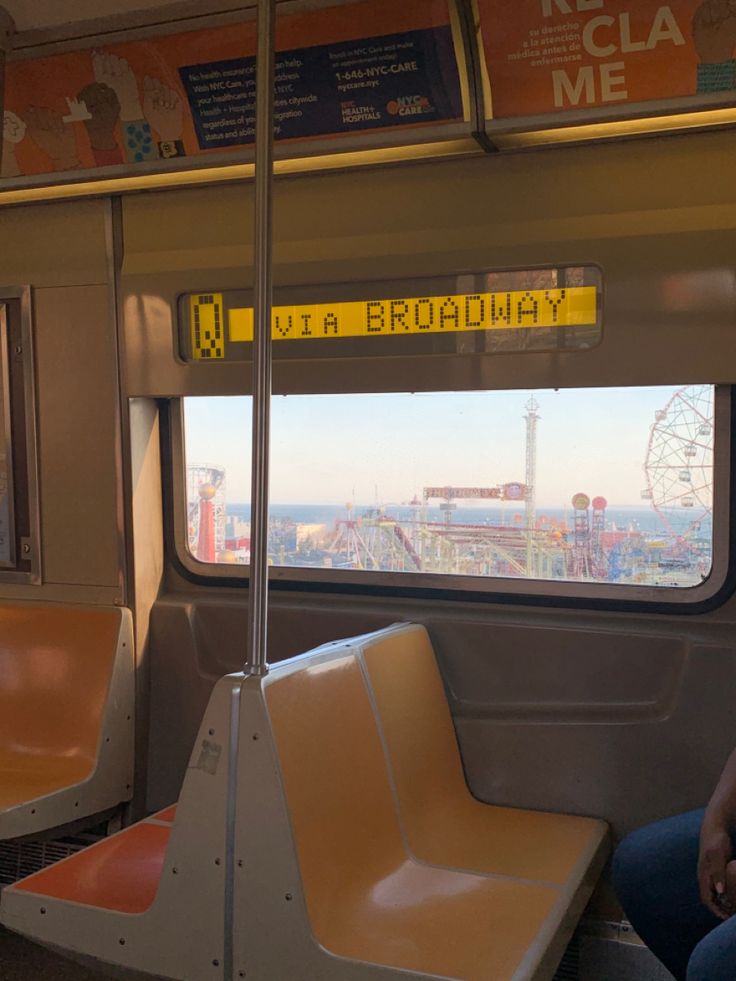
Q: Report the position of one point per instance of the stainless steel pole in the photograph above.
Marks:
(257, 660)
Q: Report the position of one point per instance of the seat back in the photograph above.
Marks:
(152, 899)
(442, 821)
(340, 801)
(415, 719)
(55, 670)
(66, 714)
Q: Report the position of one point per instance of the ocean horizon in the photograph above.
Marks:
(622, 517)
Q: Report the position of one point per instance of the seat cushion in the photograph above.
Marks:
(121, 873)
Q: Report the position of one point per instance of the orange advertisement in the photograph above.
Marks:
(547, 56)
(363, 66)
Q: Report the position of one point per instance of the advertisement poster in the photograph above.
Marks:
(547, 56)
(370, 65)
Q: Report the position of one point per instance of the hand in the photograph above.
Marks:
(716, 852)
(714, 31)
(116, 72)
(47, 129)
(77, 112)
(163, 109)
(103, 107)
(14, 129)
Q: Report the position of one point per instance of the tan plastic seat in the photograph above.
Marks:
(328, 842)
(401, 866)
(443, 823)
(66, 714)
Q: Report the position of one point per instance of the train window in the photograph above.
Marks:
(19, 535)
(574, 491)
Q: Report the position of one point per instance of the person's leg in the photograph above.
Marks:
(655, 877)
(714, 959)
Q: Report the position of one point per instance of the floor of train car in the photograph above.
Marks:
(21, 960)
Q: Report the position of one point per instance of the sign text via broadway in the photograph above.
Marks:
(215, 324)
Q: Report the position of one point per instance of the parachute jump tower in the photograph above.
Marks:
(532, 418)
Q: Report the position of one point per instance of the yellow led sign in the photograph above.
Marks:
(573, 306)
(208, 337)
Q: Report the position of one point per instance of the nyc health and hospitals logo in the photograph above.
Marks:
(410, 105)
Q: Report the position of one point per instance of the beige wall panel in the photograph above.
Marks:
(662, 235)
(53, 244)
(55, 593)
(208, 228)
(621, 715)
(77, 379)
(147, 510)
(435, 210)
(148, 548)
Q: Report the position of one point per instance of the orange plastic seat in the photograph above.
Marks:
(151, 898)
(168, 815)
(368, 899)
(120, 873)
(443, 822)
(370, 766)
(344, 838)
(25, 778)
(66, 714)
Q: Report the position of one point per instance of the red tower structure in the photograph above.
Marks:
(206, 547)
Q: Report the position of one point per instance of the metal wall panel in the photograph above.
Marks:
(63, 252)
(620, 716)
(77, 433)
(662, 234)
(60, 244)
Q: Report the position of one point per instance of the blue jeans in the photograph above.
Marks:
(655, 876)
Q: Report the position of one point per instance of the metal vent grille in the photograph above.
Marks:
(569, 969)
(19, 859)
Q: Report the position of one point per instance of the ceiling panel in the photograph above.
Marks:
(61, 16)
(33, 14)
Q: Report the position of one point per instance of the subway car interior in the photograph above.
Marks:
(366, 525)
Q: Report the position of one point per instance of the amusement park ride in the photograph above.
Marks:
(679, 463)
(206, 512)
(678, 471)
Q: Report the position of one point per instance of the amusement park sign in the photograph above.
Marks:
(504, 492)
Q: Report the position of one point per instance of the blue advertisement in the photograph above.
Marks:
(351, 87)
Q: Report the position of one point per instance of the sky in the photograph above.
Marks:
(368, 449)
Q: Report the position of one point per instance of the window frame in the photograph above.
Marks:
(519, 591)
(17, 365)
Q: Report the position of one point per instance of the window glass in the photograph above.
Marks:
(593, 485)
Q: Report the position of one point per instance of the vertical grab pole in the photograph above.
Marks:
(257, 661)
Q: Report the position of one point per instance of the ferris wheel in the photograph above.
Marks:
(679, 461)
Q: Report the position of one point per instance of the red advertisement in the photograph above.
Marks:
(546, 56)
(369, 65)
